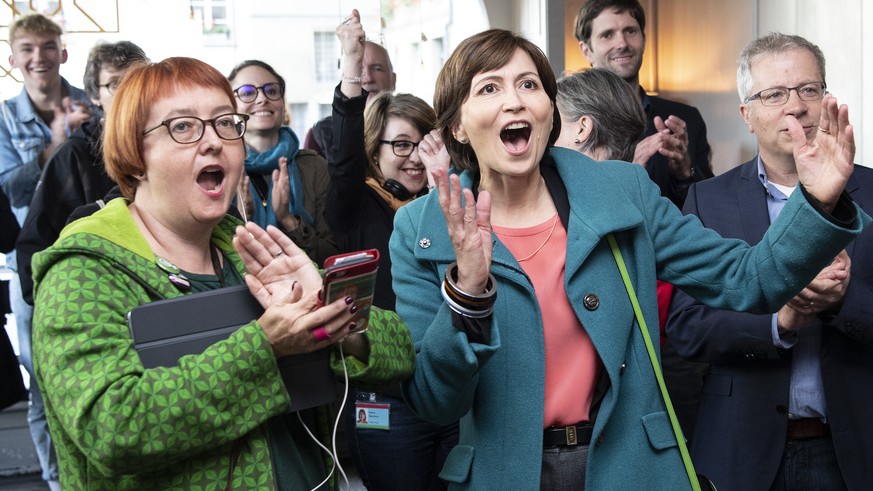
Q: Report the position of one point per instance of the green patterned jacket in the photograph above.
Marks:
(118, 426)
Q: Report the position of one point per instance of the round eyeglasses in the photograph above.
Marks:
(190, 129)
(778, 96)
(401, 148)
(111, 87)
(248, 93)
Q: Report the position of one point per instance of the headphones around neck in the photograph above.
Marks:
(397, 190)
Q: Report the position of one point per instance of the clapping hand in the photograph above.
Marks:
(282, 196)
(274, 264)
(286, 283)
(823, 293)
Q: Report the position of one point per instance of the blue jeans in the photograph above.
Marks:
(409, 456)
(39, 432)
(809, 465)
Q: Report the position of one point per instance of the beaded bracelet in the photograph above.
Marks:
(352, 80)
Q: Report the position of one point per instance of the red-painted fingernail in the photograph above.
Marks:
(353, 309)
(349, 300)
(352, 326)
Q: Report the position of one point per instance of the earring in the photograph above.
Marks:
(576, 141)
(462, 140)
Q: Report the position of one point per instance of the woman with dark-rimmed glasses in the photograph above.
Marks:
(273, 156)
(382, 150)
(218, 419)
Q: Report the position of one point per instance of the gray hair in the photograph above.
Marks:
(772, 43)
(618, 117)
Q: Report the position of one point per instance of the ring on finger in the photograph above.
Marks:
(823, 130)
(320, 333)
(278, 253)
(346, 21)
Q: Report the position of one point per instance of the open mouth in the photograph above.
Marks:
(414, 172)
(211, 180)
(515, 137)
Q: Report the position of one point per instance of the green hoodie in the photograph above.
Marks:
(118, 426)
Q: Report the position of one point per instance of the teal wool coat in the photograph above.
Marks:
(497, 390)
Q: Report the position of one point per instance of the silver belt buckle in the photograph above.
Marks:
(571, 436)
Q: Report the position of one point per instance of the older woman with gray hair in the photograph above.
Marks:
(601, 115)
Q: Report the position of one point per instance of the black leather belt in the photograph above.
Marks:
(806, 428)
(568, 436)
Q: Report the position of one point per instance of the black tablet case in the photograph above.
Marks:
(165, 330)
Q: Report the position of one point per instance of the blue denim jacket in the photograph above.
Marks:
(23, 136)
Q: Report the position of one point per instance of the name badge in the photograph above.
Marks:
(373, 416)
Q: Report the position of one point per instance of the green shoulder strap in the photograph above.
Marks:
(653, 357)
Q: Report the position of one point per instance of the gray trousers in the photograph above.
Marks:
(564, 468)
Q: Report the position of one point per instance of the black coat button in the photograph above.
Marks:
(591, 302)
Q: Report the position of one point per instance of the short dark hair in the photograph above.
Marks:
(259, 64)
(118, 55)
(592, 8)
(617, 116)
(488, 50)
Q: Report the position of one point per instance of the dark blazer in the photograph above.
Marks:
(698, 147)
(741, 426)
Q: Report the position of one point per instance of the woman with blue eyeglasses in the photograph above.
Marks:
(273, 156)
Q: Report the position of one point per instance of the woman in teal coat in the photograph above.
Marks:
(522, 325)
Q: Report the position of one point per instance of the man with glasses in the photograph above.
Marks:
(787, 401)
(35, 123)
(377, 76)
(74, 176)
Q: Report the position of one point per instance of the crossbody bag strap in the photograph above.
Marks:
(653, 357)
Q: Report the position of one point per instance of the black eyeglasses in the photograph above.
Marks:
(190, 129)
(248, 93)
(778, 96)
(110, 87)
(401, 148)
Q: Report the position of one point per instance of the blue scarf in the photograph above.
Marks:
(265, 163)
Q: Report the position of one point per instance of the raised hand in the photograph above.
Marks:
(351, 36)
(433, 154)
(469, 227)
(825, 163)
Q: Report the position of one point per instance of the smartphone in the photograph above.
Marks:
(352, 275)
